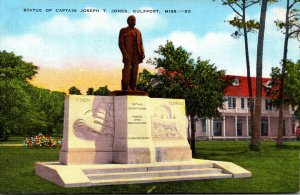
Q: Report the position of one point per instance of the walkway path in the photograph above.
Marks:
(12, 145)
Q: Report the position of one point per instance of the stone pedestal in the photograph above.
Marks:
(150, 130)
(88, 130)
(123, 129)
(111, 140)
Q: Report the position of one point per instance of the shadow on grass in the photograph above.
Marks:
(287, 147)
(221, 149)
(283, 147)
(12, 139)
(205, 153)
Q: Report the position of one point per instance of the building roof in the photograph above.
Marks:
(239, 86)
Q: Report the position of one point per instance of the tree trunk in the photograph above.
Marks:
(193, 132)
(5, 136)
(255, 139)
(248, 63)
(282, 76)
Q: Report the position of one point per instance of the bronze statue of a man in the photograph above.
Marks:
(131, 46)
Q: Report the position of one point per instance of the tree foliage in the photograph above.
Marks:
(90, 91)
(15, 105)
(50, 106)
(74, 91)
(291, 29)
(198, 82)
(239, 21)
(13, 67)
(25, 108)
(250, 25)
(14, 100)
(180, 76)
(291, 26)
(103, 91)
(291, 90)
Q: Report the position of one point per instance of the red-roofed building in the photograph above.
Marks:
(235, 122)
(239, 87)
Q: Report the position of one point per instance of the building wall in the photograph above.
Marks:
(199, 130)
(230, 126)
(230, 115)
(273, 126)
(243, 121)
(288, 126)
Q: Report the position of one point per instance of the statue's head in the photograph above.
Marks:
(131, 21)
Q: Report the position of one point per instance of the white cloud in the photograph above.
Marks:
(61, 39)
(148, 21)
(228, 53)
(277, 13)
(93, 40)
(188, 40)
(92, 23)
(28, 45)
(218, 47)
(99, 22)
(274, 40)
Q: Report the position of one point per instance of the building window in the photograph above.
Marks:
(203, 125)
(235, 82)
(264, 126)
(242, 103)
(231, 102)
(239, 126)
(268, 104)
(268, 84)
(293, 128)
(217, 127)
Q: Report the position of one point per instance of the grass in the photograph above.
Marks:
(274, 171)
(13, 140)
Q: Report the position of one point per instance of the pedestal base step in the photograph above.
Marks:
(113, 174)
(160, 179)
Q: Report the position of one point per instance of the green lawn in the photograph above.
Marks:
(13, 140)
(274, 170)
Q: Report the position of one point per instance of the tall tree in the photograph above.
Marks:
(255, 138)
(25, 108)
(15, 109)
(14, 99)
(145, 81)
(291, 29)
(74, 91)
(13, 67)
(198, 82)
(243, 28)
(50, 105)
(291, 92)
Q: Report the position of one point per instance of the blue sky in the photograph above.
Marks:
(83, 40)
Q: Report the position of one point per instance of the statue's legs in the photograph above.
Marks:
(134, 72)
(126, 75)
(130, 72)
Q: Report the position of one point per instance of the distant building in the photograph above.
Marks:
(235, 122)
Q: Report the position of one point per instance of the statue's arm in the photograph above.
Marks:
(121, 42)
(142, 47)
